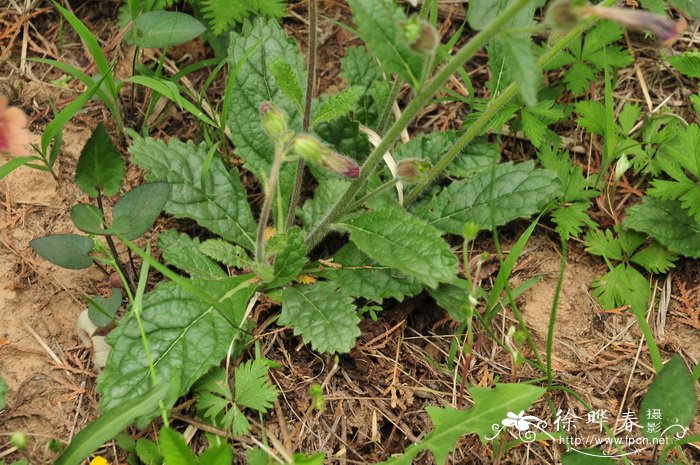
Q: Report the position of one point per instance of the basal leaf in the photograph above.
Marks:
(491, 406)
(253, 388)
(654, 258)
(217, 202)
(360, 68)
(497, 196)
(622, 286)
(323, 315)
(226, 253)
(182, 251)
(110, 423)
(186, 338)
(159, 29)
(668, 223)
(397, 239)
(379, 23)
(522, 66)
(360, 276)
(290, 260)
(251, 55)
(100, 167)
(65, 250)
(327, 192)
(135, 213)
(670, 403)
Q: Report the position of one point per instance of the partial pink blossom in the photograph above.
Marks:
(14, 136)
(665, 29)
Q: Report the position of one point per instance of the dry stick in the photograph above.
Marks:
(306, 121)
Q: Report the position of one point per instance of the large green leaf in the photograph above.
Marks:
(360, 276)
(100, 167)
(667, 222)
(158, 29)
(325, 195)
(507, 192)
(182, 251)
(491, 406)
(670, 403)
(215, 198)
(252, 54)
(687, 63)
(397, 239)
(135, 213)
(110, 423)
(65, 250)
(522, 66)
(174, 448)
(379, 23)
(321, 313)
(186, 337)
(290, 259)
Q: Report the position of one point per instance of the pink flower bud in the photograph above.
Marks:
(412, 169)
(665, 29)
(13, 135)
(274, 122)
(342, 165)
(309, 148)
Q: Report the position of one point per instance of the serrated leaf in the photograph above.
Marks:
(252, 52)
(337, 105)
(344, 135)
(325, 195)
(100, 167)
(148, 452)
(323, 315)
(379, 25)
(655, 258)
(491, 406)
(668, 223)
(135, 213)
(290, 260)
(88, 218)
(591, 116)
(571, 219)
(174, 448)
(182, 251)
(65, 250)
(226, 253)
(361, 276)
(604, 244)
(397, 239)
(497, 196)
(186, 338)
(579, 77)
(101, 311)
(109, 424)
(360, 68)
(623, 285)
(223, 14)
(159, 29)
(689, 7)
(252, 386)
(257, 456)
(287, 81)
(522, 66)
(218, 203)
(672, 396)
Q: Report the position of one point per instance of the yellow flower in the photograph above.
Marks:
(99, 460)
(13, 135)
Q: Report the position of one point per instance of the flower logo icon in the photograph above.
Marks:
(521, 421)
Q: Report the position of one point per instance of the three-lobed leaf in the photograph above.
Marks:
(400, 240)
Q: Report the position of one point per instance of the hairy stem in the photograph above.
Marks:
(421, 98)
(306, 120)
(267, 203)
(476, 128)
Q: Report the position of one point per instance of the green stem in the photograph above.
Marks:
(422, 97)
(387, 185)
(475, 129)
(649, 338)
(553, 312)
(306, 119)
(267, 203)
(386, 112)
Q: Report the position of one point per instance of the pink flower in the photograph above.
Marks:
(13, 135)
(665, 29)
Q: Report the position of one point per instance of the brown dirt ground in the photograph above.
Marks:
(376, 395)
